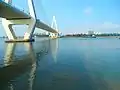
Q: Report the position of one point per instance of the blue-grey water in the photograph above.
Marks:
(61, 64)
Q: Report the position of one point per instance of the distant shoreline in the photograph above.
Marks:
(90, 37)
(74, 37)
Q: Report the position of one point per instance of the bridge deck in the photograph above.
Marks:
(41, 25)
(9, 12)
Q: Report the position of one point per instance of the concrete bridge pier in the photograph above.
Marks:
(31, 22)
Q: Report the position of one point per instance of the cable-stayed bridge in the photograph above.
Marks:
(13, 16)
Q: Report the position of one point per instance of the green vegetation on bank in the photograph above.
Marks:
(92, 35)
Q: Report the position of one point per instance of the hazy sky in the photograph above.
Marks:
(77, 15)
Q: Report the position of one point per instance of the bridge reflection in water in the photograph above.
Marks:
(19, 70)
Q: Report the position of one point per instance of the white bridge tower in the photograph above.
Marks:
(54, 25)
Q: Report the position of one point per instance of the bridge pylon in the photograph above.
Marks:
(54, 25)
(31, 22)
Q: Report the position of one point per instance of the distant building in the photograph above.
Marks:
(90, 32)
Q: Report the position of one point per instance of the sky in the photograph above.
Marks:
(75, 16)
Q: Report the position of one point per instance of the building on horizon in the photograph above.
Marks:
(91, 32)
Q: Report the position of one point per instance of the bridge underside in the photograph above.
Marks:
(43, 26)
(9, 12)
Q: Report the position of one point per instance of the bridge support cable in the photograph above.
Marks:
(47, 20)
(43, 16)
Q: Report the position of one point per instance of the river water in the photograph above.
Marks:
(61, 64)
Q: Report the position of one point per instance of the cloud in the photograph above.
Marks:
(88, 10)
(105, 27)
(110, 25)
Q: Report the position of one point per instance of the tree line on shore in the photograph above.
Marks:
(84, 35)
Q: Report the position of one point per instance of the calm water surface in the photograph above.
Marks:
(61, 64)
